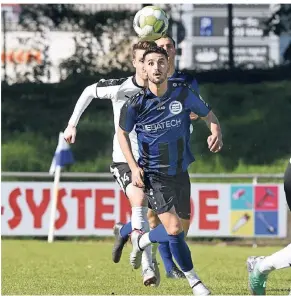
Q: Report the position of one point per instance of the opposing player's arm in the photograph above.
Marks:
(104, 89)
(126, 124)
(83, 102)
(108, 89)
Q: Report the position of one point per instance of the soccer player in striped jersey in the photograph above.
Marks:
(118, 91)
(161, 118)
(183, 208)
(259, 267)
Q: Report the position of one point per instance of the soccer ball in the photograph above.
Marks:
(150, 23)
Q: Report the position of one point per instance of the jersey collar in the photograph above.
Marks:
(134, 82)
(150, 95)
(175, 74)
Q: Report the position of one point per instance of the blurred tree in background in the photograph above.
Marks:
(102, 38)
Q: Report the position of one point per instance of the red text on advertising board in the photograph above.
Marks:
(38, 209)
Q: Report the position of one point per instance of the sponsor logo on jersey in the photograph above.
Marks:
(175, 107)
(162, 125)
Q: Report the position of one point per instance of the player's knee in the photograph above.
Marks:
(153, 219)
(174, 229)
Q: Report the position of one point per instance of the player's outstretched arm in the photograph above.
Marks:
(137, 172)
(215, 139)
(83, 102)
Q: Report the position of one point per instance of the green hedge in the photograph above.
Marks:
(255, 119)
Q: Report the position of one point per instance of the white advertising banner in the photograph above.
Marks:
(92, 208)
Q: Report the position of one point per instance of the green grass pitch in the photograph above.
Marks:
(35, 267)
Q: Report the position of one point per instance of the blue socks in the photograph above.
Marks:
(159, 235)
(169, 244)
(125, 230)
(180, 251)
(166, 255)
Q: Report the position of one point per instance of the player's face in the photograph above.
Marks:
(156, 66)
(139, 65)
(168, 46)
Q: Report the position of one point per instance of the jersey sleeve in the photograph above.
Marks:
(195, 85)
(128, 116)
(84, 100)
(107, 89)
(192, 81)
(196, 104)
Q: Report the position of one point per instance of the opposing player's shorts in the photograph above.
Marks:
(122, 174)
(287, 184)
(164, 192)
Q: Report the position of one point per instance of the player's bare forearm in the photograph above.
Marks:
(125, 146)
(215, 139)
(213, 124)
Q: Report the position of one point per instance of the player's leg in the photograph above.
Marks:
(184, 200)
(139, 221)
(161, 193)
(154, 221)
(260, 267)
(173, 232)
(164, 249)
(184, 210)
(122, 175)
(124, 230)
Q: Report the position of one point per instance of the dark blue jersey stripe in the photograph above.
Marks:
(180, 154)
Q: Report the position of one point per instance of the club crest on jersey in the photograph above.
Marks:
(175, 107)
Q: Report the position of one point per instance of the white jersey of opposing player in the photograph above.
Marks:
(118, 91)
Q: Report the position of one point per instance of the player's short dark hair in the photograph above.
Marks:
(141, 45)
(155, 49)
(169, 37)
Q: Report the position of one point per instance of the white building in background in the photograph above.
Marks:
(206, 43)
(204, 46)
